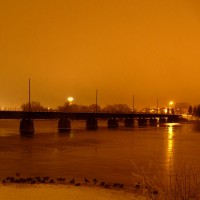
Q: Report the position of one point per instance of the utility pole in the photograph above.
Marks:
(96, 100)
(29, 96)
(29, 99)
(157, 106)
(133, 103)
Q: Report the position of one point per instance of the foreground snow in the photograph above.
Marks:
(52, 192)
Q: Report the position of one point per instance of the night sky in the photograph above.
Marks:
(146, 48)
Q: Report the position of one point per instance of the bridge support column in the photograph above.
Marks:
(64, 125)
(91, 123)
(142, 122)
(129, 122)
(26, 127)
(113, 123)
(153, 121)
(162, 120)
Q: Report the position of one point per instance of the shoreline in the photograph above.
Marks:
(63, 192)
(59, 181)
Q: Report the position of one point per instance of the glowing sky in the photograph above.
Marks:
(149, 48)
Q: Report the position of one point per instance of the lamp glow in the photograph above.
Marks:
(70, 99)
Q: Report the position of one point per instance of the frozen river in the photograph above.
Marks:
(105, 154)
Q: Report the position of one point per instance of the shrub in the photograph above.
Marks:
(181, 182)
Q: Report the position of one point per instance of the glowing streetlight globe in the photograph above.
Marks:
(171, 103)
(70, 99)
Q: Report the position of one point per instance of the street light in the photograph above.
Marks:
(70, 100)
(171, 103)
(171, 109)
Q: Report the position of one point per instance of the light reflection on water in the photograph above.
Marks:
(106, 154)
(170, 140)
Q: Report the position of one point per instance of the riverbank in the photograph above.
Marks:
(63, 192)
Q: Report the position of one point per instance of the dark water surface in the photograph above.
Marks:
(105, 154)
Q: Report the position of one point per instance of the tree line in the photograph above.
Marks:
(195, 110)
(67, 107)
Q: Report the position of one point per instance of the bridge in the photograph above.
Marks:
(64, 119)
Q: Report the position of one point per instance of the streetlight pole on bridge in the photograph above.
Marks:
(96, 100)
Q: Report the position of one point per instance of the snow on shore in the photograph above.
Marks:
(53, 192)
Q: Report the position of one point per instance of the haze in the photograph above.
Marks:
(149, 49)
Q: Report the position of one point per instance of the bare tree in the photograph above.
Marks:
(34, 106)
(117, 108)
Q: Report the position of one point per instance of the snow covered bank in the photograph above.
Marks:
(53, 192)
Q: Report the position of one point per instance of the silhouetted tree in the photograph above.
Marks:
(78, 108)
(117, 108)
(35, 106)
(67, 107)
(195, 111)
(93, 107)
(198, 111)
(190, 110)
(168, 111)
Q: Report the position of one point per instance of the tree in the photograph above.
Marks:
(94, 108)
(67, 107)
(35, 106)
(198, 111)
(195, 111)
(168, 111)
(190, 110)
(117, 108)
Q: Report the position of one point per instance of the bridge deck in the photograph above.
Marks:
(77, 116)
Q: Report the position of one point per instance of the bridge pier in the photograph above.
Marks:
(91, 123)
(153, 121)
(113, 123)
(142, 122)
(129, 122)
(64, 125)
(26, 126)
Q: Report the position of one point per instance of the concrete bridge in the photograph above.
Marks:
(64, 123)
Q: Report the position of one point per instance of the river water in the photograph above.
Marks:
(105, 154)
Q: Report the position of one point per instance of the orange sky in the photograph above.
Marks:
(72, 47)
